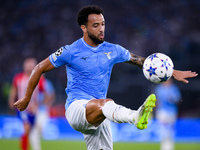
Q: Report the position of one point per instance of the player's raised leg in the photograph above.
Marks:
(94, 114)
(99, 109)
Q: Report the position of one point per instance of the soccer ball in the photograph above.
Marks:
(158, 68)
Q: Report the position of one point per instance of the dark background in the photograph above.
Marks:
(40, 27)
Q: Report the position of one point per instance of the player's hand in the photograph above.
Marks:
(21, 104)
(183, 75)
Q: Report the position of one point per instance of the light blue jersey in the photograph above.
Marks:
(88, 68)
(168, 97)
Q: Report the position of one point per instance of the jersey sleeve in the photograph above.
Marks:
(14, 82)
(122, 54)
(15, 79)
(41, 84)
(60, 57)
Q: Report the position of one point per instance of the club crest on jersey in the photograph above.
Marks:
(59, 52)
(108, 55)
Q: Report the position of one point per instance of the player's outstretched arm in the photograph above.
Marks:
(183, 75)
(39, 69)
(136, 60)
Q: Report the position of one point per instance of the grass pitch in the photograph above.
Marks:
(80, 145)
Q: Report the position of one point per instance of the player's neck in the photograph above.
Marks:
(89, 41)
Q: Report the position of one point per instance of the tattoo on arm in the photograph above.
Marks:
(136, 60)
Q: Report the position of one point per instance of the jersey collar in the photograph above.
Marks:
(94, 49)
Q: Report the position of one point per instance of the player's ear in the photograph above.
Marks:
(83, 28)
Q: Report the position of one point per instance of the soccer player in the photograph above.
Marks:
(18, 89)
(42, 115)
(89, 62)
(168, 95)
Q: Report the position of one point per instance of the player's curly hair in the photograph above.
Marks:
(84, 12)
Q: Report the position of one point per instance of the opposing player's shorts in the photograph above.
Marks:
(25, 116)
(95, 137)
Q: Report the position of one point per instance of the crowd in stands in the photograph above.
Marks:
(40, 27)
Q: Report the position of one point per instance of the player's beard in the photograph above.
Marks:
(94, 38)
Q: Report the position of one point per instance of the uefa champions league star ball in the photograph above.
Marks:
(158, 68)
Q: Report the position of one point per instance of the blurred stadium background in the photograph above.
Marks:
(38, 28)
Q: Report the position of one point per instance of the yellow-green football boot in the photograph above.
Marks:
(144, 112)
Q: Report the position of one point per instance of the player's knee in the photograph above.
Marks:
(94, 104)
(105, 100)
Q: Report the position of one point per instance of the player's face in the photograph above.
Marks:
(96, 28)
(29, 65)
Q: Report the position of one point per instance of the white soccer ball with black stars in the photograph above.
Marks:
(158, 68)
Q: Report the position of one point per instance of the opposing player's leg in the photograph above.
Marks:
(28, 120)
(24, 139)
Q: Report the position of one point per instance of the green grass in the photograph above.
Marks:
(80, 145)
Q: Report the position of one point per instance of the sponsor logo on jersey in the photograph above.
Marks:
(84, 58)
